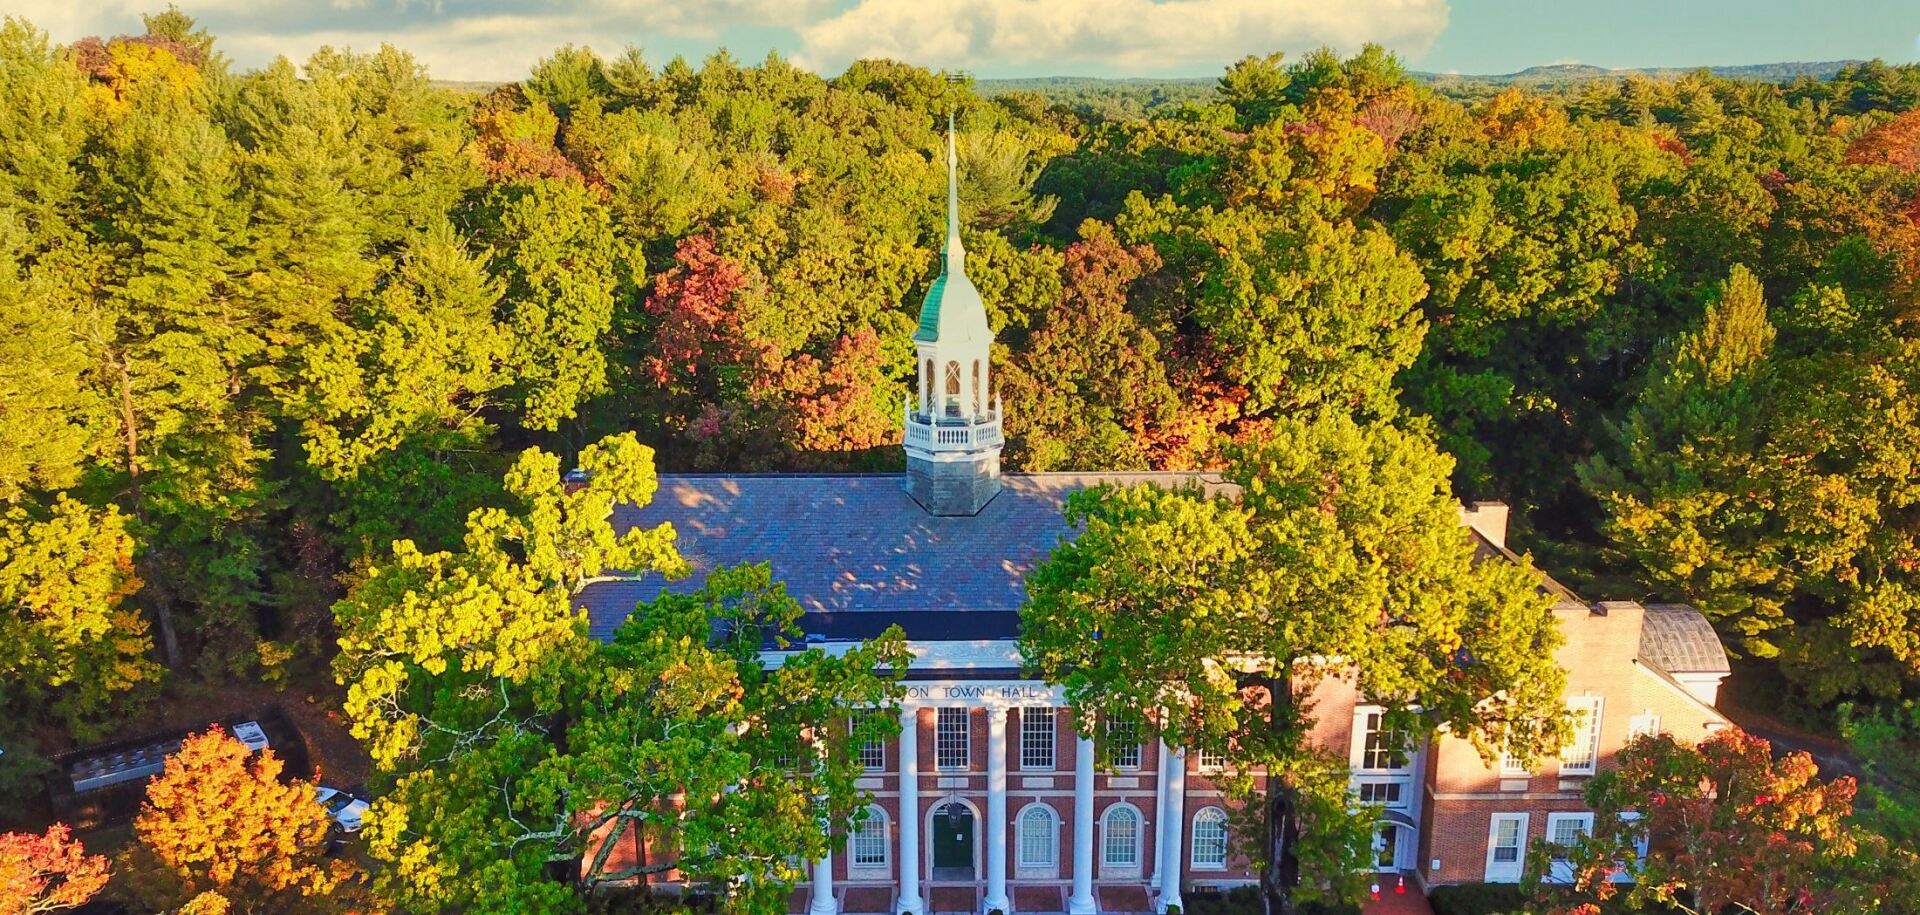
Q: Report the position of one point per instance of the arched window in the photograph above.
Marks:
(1210, 839)
(868, 840)
(976, 387)
(926, 388)
(1039, 836)
(953, 388)
(1121, 847)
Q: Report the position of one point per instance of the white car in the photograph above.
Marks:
(345, 809)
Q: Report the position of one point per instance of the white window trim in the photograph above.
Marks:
(1209, 762)
(1627, 870)
(1560, 870)
(1645, 724)
(1357, 751)
(966, 734)
(1404, 781)
(1139, 839)
(1598, 706)
(1519, 863)
(1510, 767)
(1053, 747)
(1139, 751)
(860, 752)
(1020, 838)
(1193, 842)
(876, 818)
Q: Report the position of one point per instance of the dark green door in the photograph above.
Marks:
(953, 837)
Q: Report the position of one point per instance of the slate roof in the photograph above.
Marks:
(1484, 549)
(858, 553)
(1679, 640)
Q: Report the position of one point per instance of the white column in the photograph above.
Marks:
(1081, 902)
(997, 811)
(910, 901)
(1172, 824)
(823, 903)
(1159, 807)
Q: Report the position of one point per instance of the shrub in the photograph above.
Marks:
(1245, 900)
(1477, 899)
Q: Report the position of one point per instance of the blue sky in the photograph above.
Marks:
(498, 39)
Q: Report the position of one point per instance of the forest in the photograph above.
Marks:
(262, 327)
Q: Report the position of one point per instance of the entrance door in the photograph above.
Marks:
(953, 842)
(1386, 847)
(1506, 847)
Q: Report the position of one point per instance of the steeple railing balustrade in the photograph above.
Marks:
(953, 433)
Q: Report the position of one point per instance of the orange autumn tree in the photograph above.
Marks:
(221, 821)
(47, 873)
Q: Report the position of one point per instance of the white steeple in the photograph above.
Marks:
(953, 436)
(953, 312)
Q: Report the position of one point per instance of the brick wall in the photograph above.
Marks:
(1464, 791)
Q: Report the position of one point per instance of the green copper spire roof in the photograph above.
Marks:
(954, 312)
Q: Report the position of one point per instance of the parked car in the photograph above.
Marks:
(345, 809)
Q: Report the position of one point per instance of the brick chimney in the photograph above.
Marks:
(1488, 519)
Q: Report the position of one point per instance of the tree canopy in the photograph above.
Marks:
(1208, 620)
(509, 742)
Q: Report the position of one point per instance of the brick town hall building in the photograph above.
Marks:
(990, 800)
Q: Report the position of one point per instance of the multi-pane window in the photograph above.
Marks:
(1038, 835)
(1212, 761)
(1210, 838)
(1123, 747)
(1565, 830)
(1644, 725)
(1382, 748)
(1506, 840)
(1583, 751)
(952, 740)
(1036, 738)
(869, 839)
(1512, 765)
(1121, 847)
(873, 753)
(1386, 794)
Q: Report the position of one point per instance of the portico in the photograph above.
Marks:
(953, 820)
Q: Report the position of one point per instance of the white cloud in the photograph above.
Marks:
(456, 39)
(501, 39)
(1136, 36)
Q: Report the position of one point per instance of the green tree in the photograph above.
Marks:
(1298, 311)
(509, 742)
(1256, 87)
(569, 79)
(557, 255)
(1205, 620)
(1681, 497)
(67, 645)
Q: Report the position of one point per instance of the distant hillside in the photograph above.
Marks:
(1771, 73)
(1134, 95)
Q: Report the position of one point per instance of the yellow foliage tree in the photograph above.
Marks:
(221, 821)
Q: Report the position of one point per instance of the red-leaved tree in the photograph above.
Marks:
(46, 873)
(1717, 826)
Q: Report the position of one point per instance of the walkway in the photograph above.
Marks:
(1391, 903)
